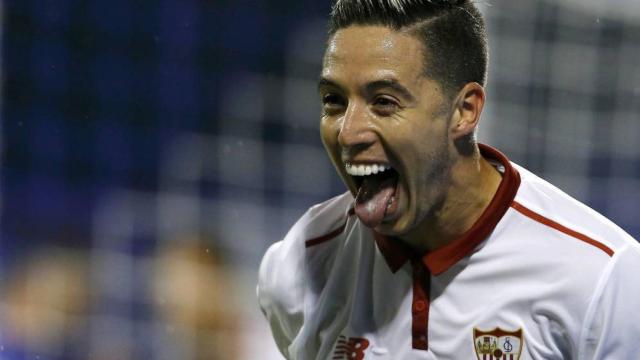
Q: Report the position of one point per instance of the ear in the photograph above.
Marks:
(468, 107)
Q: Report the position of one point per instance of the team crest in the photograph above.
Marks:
(498, 344)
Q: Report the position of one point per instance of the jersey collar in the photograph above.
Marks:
(396, 253)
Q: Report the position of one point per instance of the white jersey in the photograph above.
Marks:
(539, 276)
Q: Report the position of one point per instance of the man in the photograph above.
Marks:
(442, 248)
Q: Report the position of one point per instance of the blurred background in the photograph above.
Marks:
(152, 150)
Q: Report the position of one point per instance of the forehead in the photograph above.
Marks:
(364, 50)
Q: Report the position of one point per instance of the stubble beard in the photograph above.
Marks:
(437, 180)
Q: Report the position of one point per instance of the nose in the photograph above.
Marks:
(356, 131)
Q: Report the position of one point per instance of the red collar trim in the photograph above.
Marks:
(396, 253)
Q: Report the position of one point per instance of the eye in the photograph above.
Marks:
(332, 102)
(385, 105)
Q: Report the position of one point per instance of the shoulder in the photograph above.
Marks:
(576, 258)
(558, 215)
(560, 242)
(283, 258)
(281, 280)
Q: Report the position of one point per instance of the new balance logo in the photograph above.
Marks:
(351, 348)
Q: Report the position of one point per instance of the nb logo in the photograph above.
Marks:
(351, 348)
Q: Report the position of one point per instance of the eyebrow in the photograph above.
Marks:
(392, 84)
(389, 83)
(324, 82)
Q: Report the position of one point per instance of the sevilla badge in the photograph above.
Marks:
(498, 344)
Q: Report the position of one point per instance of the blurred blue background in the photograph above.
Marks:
(152, 151)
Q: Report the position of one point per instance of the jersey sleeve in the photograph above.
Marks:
(280, 292)
(612, 325)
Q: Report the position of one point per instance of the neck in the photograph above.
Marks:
(474, 182)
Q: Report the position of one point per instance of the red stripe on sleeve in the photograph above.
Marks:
(546, 221)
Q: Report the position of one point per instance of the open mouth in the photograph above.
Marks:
(376, 196)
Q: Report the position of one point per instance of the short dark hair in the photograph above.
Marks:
(452, 32)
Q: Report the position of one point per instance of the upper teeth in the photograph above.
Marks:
(362, 170)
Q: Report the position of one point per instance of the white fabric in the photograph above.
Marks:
(570, 298)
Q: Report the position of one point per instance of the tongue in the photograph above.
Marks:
(373, 198)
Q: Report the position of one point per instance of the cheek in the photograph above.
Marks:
(329, 130)
(329, 134)
(326, 131)
(329, 137)
(418, 151)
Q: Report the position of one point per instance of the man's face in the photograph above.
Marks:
(381, 112)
